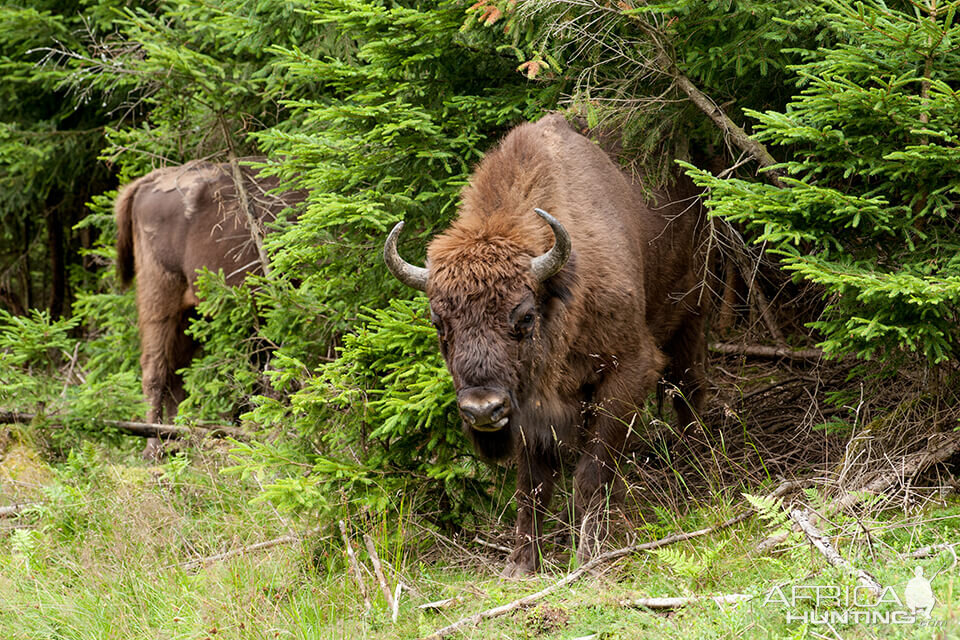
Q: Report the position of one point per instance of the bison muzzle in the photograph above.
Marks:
(560, 299)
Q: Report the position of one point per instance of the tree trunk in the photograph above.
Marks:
(58, 267)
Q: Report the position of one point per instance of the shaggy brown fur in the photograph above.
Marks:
(622, 312)
(170, 223)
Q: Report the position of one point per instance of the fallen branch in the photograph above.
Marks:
(14, 510)
(764, 351)
(928, 551)
(437, 605)
(491, 545)
(677, 603)
(940, 448)
(260, 546)
(354, 566)
(820, 542)
(378, 570)
(142, 429)
(584, 569)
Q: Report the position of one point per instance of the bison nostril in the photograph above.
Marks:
(484, 408)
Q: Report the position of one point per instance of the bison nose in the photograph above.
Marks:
(484, 409)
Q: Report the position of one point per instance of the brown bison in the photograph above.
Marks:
(557, 326)
(170, 223)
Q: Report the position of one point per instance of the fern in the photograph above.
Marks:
(771, 509)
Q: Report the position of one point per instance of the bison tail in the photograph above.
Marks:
(124, 212)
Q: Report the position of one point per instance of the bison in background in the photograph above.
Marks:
(170, 223)
(560, 298)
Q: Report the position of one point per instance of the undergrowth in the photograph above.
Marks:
(105, 551)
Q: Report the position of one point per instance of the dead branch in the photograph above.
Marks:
(928, 551)
(142, 429)
(727, 300)
(253, 224)
(584, 569)
(747, 265)
(820, 542)
(737, 135)
(765, 351)
(260, 546)
(940, 448)
(14, 510)
(665, 62)
(354, 566)
(677, 603)
(378, 570)
(491, 545)
(438, 605)
(775, 385)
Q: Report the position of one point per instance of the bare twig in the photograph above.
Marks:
(378, 570)
(256, 234)
(677, 603)
(748, 267)
(354, 566)
(820, 542)
(260, 546)
(70, 373)
(253, 223)
(775, 385)
(765, 351)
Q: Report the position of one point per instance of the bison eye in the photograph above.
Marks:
(523, 325)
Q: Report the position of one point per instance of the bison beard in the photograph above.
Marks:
(554, 334)
(170, 223)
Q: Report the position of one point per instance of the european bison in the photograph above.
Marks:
(170, 223)
(557, 326)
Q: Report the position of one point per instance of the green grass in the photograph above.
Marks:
(102, 556)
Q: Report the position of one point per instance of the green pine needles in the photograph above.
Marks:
(869, 214)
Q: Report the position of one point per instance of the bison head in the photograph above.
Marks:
(490, 302)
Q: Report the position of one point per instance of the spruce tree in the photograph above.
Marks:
(869, 144)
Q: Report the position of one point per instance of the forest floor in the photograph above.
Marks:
(104, 545)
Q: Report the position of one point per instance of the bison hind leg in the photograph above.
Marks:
(165, 348)
(687, 352)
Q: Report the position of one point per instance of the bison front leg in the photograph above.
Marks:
(598, 479)
(597, 475)
(535, 484)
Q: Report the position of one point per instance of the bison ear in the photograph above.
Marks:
(561, 285)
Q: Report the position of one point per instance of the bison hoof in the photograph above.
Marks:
(587, 549)
(519, 565)
(153, 452)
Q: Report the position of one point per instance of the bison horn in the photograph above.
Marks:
(553, 260)
(408, 274)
